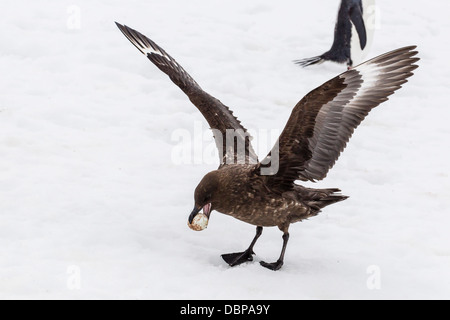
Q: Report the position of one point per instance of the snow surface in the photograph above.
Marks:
(94, 204)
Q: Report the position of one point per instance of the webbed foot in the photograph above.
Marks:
(272, 266)
(235, 259)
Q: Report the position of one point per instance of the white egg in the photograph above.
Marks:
(199, 223)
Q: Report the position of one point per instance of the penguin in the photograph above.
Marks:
(351, 17)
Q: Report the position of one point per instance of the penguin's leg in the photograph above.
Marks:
(350, 64)
(234, 259)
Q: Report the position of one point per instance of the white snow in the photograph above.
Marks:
(93, 205)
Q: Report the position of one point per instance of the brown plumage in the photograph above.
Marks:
(264, 193)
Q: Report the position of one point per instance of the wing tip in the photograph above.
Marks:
(141, 42)
(392, 64)
(404, 53)
(124, 29)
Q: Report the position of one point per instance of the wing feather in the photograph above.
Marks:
(219, 117)
(322, 123)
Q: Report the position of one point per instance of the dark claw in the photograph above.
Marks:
(272, 266)
(234, 259)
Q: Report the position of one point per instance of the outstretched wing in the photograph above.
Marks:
(322, 123)
(226, 127)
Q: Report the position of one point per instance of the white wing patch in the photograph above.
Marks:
(370, 74)
(368, 85)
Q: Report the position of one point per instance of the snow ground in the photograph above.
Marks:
(93, 205)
